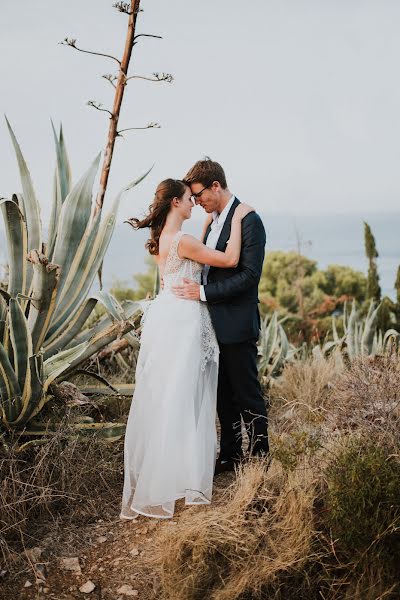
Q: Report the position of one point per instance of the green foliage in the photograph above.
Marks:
(362, 503)
(284, 266)
(338, 280)
(292, 284)
(373, 291)
(397, 286)
(146, 283)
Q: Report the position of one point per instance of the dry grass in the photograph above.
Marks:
(64, 481)
(261, 527)
(323, 521)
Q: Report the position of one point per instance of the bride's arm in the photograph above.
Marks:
(190, 247)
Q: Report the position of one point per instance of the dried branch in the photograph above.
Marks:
(98, 106)
(157, 77)
(72, 43)
(145, 35)
(111, 78)
(148, 126)
(124, 7)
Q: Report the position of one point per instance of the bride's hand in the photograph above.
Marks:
(242, 211)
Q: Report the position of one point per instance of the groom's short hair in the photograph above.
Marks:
(206, 172)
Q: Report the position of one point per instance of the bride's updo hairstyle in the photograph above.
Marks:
(166, 191)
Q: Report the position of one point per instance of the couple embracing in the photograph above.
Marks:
(198, 348)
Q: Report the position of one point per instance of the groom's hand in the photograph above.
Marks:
(189, 290)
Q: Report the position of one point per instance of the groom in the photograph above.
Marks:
(232, 297)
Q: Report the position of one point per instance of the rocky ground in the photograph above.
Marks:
(108, 560)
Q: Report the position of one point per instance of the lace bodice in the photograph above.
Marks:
(177, 268)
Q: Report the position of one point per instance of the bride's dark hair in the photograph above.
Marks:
(158, 211)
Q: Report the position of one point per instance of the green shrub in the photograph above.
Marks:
(363, 501)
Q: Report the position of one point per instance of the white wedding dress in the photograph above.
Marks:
(170, 440)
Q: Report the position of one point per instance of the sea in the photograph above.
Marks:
(328, 239)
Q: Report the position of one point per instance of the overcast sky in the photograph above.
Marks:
(298, 99)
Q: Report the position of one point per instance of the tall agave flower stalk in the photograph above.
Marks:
(47, 301)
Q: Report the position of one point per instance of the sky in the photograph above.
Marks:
(299, 100)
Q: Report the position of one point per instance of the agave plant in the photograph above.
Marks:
(361, 337)
(47, 301)
(274, 348)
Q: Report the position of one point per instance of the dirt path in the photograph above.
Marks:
(112, 563)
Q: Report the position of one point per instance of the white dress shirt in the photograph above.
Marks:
(212, 240)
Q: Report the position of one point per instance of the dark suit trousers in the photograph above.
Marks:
(239, 396)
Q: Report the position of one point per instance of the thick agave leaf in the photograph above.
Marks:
(61, 189)
(268, 341)
(334, 331)
(33, 392)
(73, 222)
(390, 340)
(283, 351)
(351, 337)
(17, 244)
(63, 337)
(87, 261)
(112, 306)
(21, 341)
(54, 217)
(3, 317)
(368, 333)
(63, 167)
(43, 303)
(9, 388)
(102, 339)
(110, 432)
(31, 206)
(64, 309)
(56, 365)
(131, 310)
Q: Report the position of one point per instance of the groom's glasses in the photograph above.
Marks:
(195, 197)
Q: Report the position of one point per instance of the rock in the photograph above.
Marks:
(87, 587)
(28, 584)
(40, 572)
(127, 590)
(101, 539)
(34, 554)
(71, 564)
(134, 551)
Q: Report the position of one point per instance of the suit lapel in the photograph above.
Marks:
(207, 234)
(226, 229)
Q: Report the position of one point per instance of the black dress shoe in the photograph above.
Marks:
(221, 466)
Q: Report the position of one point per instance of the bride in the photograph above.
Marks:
(170, 440)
